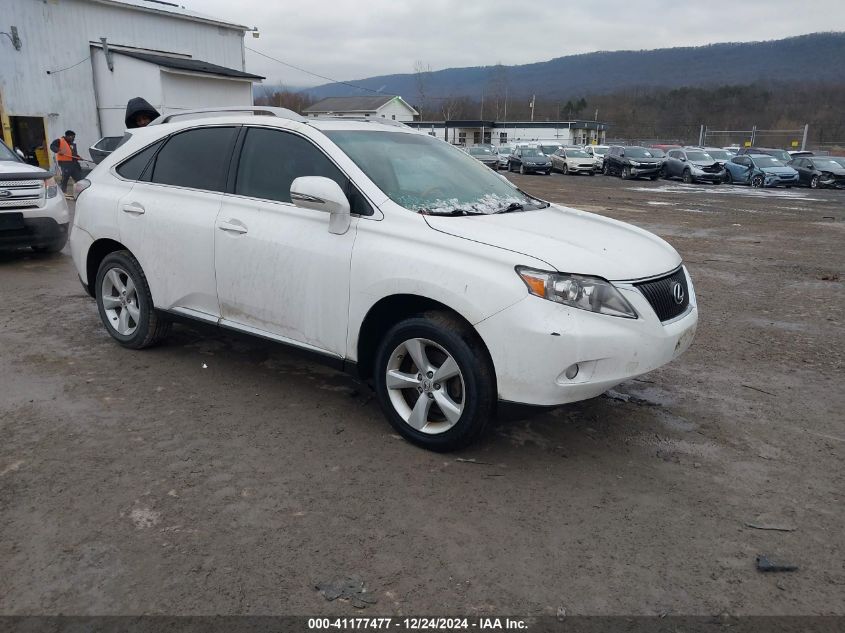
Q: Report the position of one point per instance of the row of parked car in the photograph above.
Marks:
(754, 166)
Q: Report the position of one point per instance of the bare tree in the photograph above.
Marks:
(422, 81)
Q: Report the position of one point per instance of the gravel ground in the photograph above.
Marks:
(217, 474)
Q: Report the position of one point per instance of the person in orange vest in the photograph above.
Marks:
(67, 158)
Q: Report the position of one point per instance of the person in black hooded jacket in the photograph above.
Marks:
(139, 113)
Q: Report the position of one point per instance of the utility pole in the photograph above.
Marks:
(531, 105)
(804, 140)
(701, 135)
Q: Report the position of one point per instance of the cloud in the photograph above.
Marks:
(348, 39)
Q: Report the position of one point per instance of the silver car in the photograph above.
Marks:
(597, 152)
(504, 151)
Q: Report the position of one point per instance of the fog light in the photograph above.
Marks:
(571, 371)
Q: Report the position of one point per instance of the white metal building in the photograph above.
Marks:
(378, 106)
(56, 73)
(498, 132)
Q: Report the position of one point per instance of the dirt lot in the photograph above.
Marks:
(218, 475)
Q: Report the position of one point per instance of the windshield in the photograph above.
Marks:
(701, 156)
(505, 149)
(838, 159)
(601, 151)
(577, 153)
(531, 152)
(427, 175)
(638, 152)
(780, 154)
(7, 154)
(549, 149)
(767, 161)
(657, 153)
(480, 151)
(719, 154)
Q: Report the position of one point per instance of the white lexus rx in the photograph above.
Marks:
(382, 250)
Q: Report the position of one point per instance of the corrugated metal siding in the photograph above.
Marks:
(56, 34)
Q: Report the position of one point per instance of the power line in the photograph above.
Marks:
(61, 70)
(308, 72)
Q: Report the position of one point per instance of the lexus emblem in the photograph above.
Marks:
(5, 193)
(677, 292)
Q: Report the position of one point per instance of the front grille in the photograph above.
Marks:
(712, 169)
(660, 294)
(21, 194)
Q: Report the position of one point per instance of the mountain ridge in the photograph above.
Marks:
(810, 57)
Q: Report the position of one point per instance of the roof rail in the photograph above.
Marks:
(360, 119)
(282, 113)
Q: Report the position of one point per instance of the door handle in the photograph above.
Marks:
(231, 227)
(134, 208)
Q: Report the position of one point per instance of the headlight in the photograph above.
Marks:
(634, 163)
(586, 293)
(52, 187)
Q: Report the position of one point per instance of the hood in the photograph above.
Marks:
(568, 240)
(705, 163)
(836, 172)
(11, 170)
(137, 106)
(782, 171)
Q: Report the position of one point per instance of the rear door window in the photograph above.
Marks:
(198, 159)
(133, 168)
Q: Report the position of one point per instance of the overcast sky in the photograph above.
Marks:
(353, 39)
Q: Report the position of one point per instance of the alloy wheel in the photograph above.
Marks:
(425, 386)
(120, 301)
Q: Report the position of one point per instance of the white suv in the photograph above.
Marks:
(33, 211)
(384, 251)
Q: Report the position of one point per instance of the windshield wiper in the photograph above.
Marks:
(513, 206)
(452, 212)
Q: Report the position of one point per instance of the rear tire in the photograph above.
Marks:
(125, 303)
(442, 414)
(728, 178)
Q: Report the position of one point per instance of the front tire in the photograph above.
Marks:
(728, 178)
(565, 169)
(435, 382)
(522, 170)
(687, 177)
(605, 170)
(758, 181)
(125, 303)
(626, 173)
(814, 182)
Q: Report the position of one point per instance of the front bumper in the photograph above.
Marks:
(773, 180)
(645, 171)
(706, 176)
(533, 169)
(34, 232)
(533, 342)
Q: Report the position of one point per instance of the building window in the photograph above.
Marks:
(488, 137)
(432, 134)
(503, 137)
(393, 116)
(476, 137)
(462, 138)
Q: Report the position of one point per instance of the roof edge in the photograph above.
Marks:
(194, 17)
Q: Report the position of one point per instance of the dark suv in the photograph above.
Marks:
(631, 162)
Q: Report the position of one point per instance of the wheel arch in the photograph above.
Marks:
(96, 254)
(392, 309)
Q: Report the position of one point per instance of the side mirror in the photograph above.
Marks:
(323, 194)
(621, 153)
(683, 159)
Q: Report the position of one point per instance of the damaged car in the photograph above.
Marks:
(819, 171)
